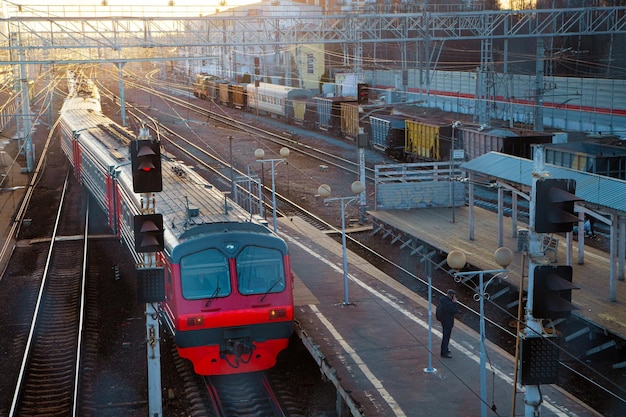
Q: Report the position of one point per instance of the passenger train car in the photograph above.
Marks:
(275, 100)
(228, 281)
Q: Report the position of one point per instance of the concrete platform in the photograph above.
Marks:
(376, 348)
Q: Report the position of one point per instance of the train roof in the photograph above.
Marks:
(83, 100)
(395, 122)
(186, 201)
(588, 148)
(338, 99)
(278, 90)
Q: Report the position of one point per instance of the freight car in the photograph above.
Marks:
(228, 282)
(329, 113)
(305, 113)
(405, 133)
(595, 158)
(387, 134)
(427, 140)
(477, 141)
(351, 123)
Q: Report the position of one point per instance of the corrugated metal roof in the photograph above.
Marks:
(595, 189)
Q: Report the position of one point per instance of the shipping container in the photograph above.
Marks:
(350, 122)
(387, 134)
(589, 157)
(329, 112)
(516, 142)
(427, 140)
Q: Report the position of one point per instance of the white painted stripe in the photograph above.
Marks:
(395, 407)
(557, 410)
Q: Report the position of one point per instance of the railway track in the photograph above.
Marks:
(244, 395)
(47, 384)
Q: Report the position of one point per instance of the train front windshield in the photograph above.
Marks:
(260, 271)
(205, 274)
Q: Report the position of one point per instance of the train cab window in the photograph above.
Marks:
(260, 271)
(205, 275)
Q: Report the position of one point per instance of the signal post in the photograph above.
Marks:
(145, 155)
(549, 286)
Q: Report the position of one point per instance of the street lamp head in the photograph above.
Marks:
(324, 190)
(284, 152)
(259, 154)
(357, 187)
(456, 259)
(503, 256)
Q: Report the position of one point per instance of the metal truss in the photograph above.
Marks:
(63, 37)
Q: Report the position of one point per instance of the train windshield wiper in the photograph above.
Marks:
(278, 281)
(212, 297)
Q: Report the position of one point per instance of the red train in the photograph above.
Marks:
(228, 281)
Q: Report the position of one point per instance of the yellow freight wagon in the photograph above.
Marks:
(350, 124)
(427, 141)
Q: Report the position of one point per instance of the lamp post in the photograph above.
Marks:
(456, 260)
(428, 267)
(454, 126)
(324, 192)
(259, 155)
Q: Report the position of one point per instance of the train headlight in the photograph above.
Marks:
(195, 321)
(230, 247)
(279, 313)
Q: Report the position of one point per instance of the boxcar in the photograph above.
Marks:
(329, 112)
(387, 134)
(588, 157)
(427, 140)
(516, 142)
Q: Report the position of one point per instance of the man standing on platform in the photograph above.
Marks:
(446, 310)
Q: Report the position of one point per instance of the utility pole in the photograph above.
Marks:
(539, 86)
(24, 127)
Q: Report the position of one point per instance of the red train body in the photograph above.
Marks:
(228, 282)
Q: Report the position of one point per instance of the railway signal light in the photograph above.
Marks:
(145, 157)
(552, 291)
(363, 93)
(554, 205)
(148, 230)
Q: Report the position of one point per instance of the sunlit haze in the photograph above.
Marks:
(127, 3)
(140, 3)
